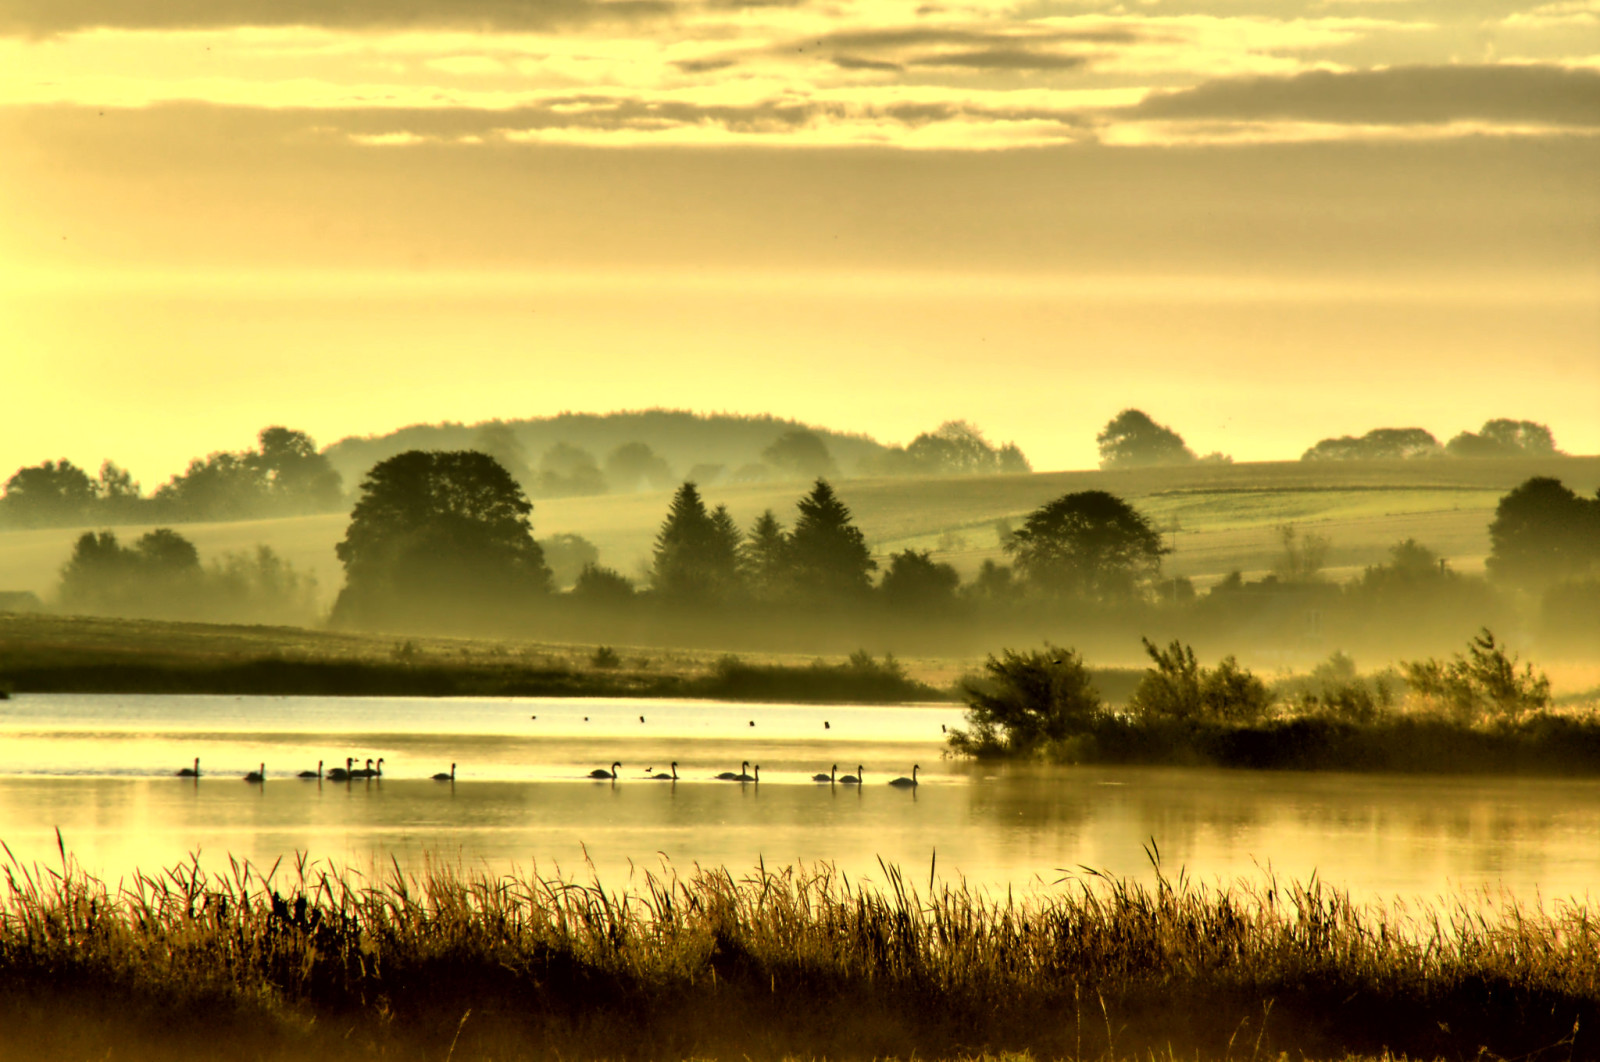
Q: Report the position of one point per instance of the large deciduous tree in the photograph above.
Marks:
(1132, 440)
(439, 536)
(1090, 544)
(1542, 533)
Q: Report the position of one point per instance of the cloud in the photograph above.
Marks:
(39, 18)
(1405, 95)
(1004, 59)
(851, 62)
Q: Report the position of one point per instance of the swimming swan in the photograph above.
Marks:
(907, 783)
(597, 773)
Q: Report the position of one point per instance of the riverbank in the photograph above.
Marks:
(797, 962)
(81, 654)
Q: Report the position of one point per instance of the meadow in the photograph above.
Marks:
(1226, 516)
(780, 962)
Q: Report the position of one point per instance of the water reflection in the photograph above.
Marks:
(522, 799)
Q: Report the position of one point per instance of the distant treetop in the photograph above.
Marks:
(1132, 440)
(1498, 438)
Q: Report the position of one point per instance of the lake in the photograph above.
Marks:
(100, 769)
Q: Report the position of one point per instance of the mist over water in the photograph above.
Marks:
(100, 768)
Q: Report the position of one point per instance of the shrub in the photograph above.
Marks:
(605, 658)
(1179, 689)
(1484, 681)
(1025, 700)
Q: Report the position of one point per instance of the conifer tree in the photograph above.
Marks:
(829, 554)
(696, 554)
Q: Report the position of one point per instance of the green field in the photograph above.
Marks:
(1226, 516)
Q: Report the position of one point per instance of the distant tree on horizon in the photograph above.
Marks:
(1503, 437)
(800, 455)
(1090, 545)
(1132, 440)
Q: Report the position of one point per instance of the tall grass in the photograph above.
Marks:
(797, 961)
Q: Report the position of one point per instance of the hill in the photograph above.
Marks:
(684, 440)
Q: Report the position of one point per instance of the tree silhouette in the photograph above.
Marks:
(829, 554)
(48, 494)
(766, 559)
(1542, 533)
(297, 476)
(1132, 440)
(917, 583)
(439, 531)
(800, 454)
(634, 466)
(1503, 437)
(1090, 544)
(696, 554)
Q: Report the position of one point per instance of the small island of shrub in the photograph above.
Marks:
(1475, 713)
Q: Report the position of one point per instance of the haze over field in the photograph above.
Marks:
(1263, 224)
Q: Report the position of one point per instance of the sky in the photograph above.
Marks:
(1261, 223)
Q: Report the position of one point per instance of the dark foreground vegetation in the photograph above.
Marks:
(1475, 713)
(792, 963)
(52, 654)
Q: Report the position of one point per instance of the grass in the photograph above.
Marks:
(792, 962)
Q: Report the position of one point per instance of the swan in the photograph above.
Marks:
(363, 772)
(826, 777)
(258, 775)
(853, 779)
(442, 777)
(673, 777)
(752, 778)
(597, 773)
(190, 772)
(906, 783)
(313, 774)
(729, 776)
(342, 774)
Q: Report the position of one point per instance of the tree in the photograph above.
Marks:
(1179, 689)
(1483, 681)
(439, 532)
(499, 440)
(765, 558)
(567, 471)
(602, 585)
(299, 478)
(1025, 700)
(1090, 544)
(1303, 555)
(221, 486)
(119, 494)
(916, 583)
(1503, 437)
(49, 494)
(1542, 533)
(830, 557)
(800, 455)
(955, 448)
(1376, 445)
(568, 555)
(696, 554)
(1132, 440)
(634, 466)
(159, 575)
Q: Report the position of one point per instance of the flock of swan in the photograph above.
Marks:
(350, 772)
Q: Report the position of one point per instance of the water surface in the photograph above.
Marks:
(100, 769)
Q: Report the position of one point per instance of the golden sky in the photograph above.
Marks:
(1263, 223)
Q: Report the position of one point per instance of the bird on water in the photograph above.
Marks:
(853, 779)
(191, 772)
(729, 776)
(257, 775)
(826, 777)
(752, 777)
(312, 774)
(342, 774)
(906, 783)
(673, 777)
(442, 777)
(598, 773)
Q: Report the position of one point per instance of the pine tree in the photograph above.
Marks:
(696, 555)
(765, 558)
(830, 557)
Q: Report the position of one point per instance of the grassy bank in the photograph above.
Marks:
(56, 654)
(792, 963)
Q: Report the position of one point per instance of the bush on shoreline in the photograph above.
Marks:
(797, 962)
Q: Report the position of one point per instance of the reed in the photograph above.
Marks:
(791, 962)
